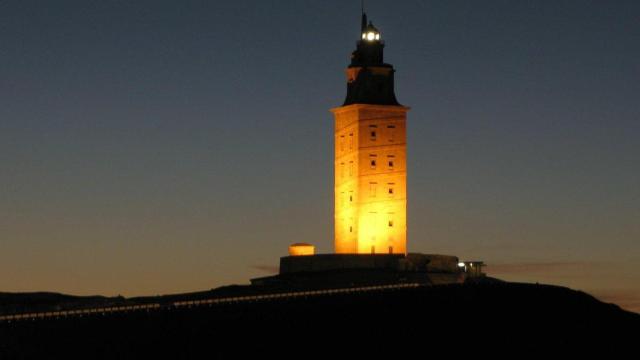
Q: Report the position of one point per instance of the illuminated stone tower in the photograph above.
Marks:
(370, 155)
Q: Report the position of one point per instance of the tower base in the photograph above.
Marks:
(325, 271)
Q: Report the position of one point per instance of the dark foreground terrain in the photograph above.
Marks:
(472, 318)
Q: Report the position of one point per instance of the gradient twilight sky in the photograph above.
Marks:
(149, 147)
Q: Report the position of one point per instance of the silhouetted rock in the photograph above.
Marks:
(12, 303)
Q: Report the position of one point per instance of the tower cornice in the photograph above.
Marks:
(352, 107)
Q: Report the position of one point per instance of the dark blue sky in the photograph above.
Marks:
(162, 146)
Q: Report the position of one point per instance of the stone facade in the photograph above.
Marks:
(370, 179)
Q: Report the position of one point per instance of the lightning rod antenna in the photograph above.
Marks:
(364, 16)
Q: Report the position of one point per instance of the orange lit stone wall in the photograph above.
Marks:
(370, 179)
(301, 249)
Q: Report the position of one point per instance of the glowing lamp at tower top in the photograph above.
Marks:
(370, 33)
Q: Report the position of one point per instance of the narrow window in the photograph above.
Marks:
(341, 143)
(390, 223)
(390, 161)
(372, 160)
(390, 249)
(372, 131)
(372, 189)
(392, 130)
(350, 168)
(351, 141)
(391, 186)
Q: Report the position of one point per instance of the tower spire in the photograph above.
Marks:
(364, 17)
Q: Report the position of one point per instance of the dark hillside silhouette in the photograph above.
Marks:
(469, 316)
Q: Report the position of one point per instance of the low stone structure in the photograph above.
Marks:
(342, 270)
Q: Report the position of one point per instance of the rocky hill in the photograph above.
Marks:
(482, 317)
